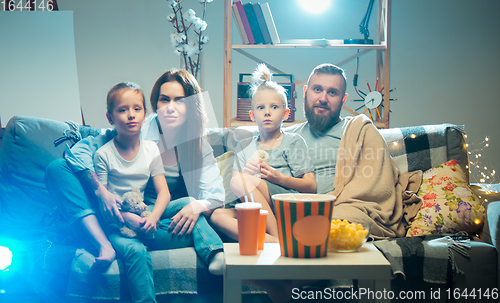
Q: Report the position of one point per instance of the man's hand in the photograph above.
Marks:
(253, 167)
(109, 206)
(270, 174)
(185, 220)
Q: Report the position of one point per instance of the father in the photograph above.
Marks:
(324, 95)
(350, 157)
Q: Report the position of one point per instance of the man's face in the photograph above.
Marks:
(323, 100)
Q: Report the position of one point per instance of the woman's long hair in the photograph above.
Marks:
(190, 152)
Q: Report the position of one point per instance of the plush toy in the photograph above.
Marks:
(133, 203)
(260, 155)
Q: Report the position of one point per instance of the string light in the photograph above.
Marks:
(478, 171)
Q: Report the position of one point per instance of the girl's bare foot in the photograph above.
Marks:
(270, 239)
(106, 257)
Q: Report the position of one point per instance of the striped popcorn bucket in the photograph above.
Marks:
(303, 224)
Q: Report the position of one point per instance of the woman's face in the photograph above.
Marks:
(171, 105)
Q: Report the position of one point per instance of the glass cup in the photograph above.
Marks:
(262, 228)
(248, 214)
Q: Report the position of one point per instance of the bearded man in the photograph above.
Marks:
(324, 95)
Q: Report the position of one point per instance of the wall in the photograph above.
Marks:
(39, 65)
(443, 61)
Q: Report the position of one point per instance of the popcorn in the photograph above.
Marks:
(346, 236)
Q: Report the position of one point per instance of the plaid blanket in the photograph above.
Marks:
(177, 271)
(423, 147)
(430, 258)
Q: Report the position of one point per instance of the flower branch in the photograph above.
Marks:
(184, 24)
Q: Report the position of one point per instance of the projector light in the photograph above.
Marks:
(5, 258)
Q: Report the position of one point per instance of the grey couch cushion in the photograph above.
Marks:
(27, 148)
(223, 140)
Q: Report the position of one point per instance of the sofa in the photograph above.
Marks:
(56, 268)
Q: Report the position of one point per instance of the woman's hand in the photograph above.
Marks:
(109, 206)
(253, 167)
(185, 220)
(270, 174)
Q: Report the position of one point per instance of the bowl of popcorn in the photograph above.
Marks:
(346, 236)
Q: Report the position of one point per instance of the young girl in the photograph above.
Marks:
(127, 162)
(289, 169)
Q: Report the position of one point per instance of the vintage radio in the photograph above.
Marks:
(244, 101)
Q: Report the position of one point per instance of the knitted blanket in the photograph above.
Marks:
(428, 257)
(368, 185)
(177, 271)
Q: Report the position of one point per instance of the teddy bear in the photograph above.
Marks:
(260, 155)
(133, 203)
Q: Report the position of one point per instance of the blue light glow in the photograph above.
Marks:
(314, 6)
(5, 258)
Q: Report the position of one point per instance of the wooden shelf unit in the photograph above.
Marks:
(235, 123)
(382, 47)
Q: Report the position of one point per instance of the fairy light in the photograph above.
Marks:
(478, 171)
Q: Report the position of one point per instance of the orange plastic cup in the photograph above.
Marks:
(262, 228)
(248, 214)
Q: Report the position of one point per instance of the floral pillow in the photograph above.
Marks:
(449, 205)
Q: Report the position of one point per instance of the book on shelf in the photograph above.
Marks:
(244, 21)
(313, 42)
(239, 25)
(268, 17)
(262, 23)
(254, 24)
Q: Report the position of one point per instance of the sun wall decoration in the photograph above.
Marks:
(373, 101)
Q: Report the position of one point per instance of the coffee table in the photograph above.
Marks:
(368, 266)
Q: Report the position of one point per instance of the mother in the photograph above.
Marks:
(190, 168)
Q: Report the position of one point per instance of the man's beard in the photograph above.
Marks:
(323, 122)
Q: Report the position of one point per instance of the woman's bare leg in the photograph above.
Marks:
(224, 220)
(258, 188)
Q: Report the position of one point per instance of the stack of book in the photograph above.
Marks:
(255, 23)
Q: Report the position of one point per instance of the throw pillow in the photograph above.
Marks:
(449, 204)
(225, 163)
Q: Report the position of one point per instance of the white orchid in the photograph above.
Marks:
(171, 17)
(191, 50)
(173, 39)
(179, 49)
(189, 47)
(200, 25)
(191, 19)
(181, 38)
(173, 3)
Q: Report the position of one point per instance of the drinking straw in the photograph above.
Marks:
(251, 197)
(242, 179)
